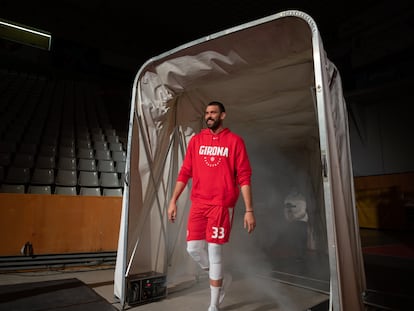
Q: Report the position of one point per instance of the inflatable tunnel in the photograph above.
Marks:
(284, 97)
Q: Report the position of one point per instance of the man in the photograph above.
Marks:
(218, 164)
(296, 214)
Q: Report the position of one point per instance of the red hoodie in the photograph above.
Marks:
(218, 165)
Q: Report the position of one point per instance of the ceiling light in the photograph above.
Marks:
(25, 35)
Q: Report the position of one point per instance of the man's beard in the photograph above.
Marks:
(215, 125)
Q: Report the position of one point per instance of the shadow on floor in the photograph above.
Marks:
(389, 268)
(67, 294)
(388, 263)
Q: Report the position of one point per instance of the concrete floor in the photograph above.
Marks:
(249, 293)
(286, 286)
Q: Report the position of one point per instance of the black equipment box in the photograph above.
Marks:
(146, 287)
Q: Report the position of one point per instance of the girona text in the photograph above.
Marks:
(214, 151)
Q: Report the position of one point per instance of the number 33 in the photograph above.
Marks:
(218, 233)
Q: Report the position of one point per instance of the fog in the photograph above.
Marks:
(270, 250)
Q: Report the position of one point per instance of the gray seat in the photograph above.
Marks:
(87, 165)
(112, 139)
(23, 160)
(26, 147)
(98, 137)
(110, 132)
(67, 151)
(88, 179)
(18, 175)
(96, 130)
(7, 146)
(32, 136)
(83, 134)
(122, 179)
(119, 155)
(100, 145)
(103, 155)
(112, 192)
(65, 190)
(106, 166)
(66, 178)
(34, 189)
(120, 166)
(116, 147)
(43, 176)
(47, 150)
(50, 138)
(84, 144)
(5, 158)
(2, 174)
(85, 153)
(14, 134)
(93, 191)
(44, 161)
(67, 163)
(109, 180)
(7, 188)
(67, 142)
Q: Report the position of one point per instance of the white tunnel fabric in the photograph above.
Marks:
(275, 81)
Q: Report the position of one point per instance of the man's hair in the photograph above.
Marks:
(216, 103)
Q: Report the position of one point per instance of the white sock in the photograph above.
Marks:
(215, 294)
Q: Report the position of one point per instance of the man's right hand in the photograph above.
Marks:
(172, 211)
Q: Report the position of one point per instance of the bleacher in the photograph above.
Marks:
(56, 137)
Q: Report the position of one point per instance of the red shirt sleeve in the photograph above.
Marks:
(244, 170)
(186, 171)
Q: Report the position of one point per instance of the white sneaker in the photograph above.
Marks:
(226, 284)
(213, 308)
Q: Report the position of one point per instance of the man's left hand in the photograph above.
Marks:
(249, 221)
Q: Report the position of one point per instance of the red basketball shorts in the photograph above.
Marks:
(209, 222)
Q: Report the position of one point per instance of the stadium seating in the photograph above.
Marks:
(5, 159)
(90, 191)
(67, 151)
(117, 192)
(56, 139)
(103, 155)
(23, 160)
(46, 161)
(43, 176)
(85, 153)
(120, 166)
(6, 188)
(100, 145)
(40, 189)
(17, 175)
(66, 178)
(119, 156)
(88, 179)
(87, 165)
(67, 163)
(65, 190)
(106, 166)
(109, 180)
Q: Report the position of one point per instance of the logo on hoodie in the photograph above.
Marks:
(213, 154)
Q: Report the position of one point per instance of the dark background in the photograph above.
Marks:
(370, 41)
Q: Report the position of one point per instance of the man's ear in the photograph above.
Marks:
(222, 115)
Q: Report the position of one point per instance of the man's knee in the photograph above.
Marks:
(215, 257)
(215, 253)
(196, 249)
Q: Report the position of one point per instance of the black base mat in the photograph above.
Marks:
(62, 295)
